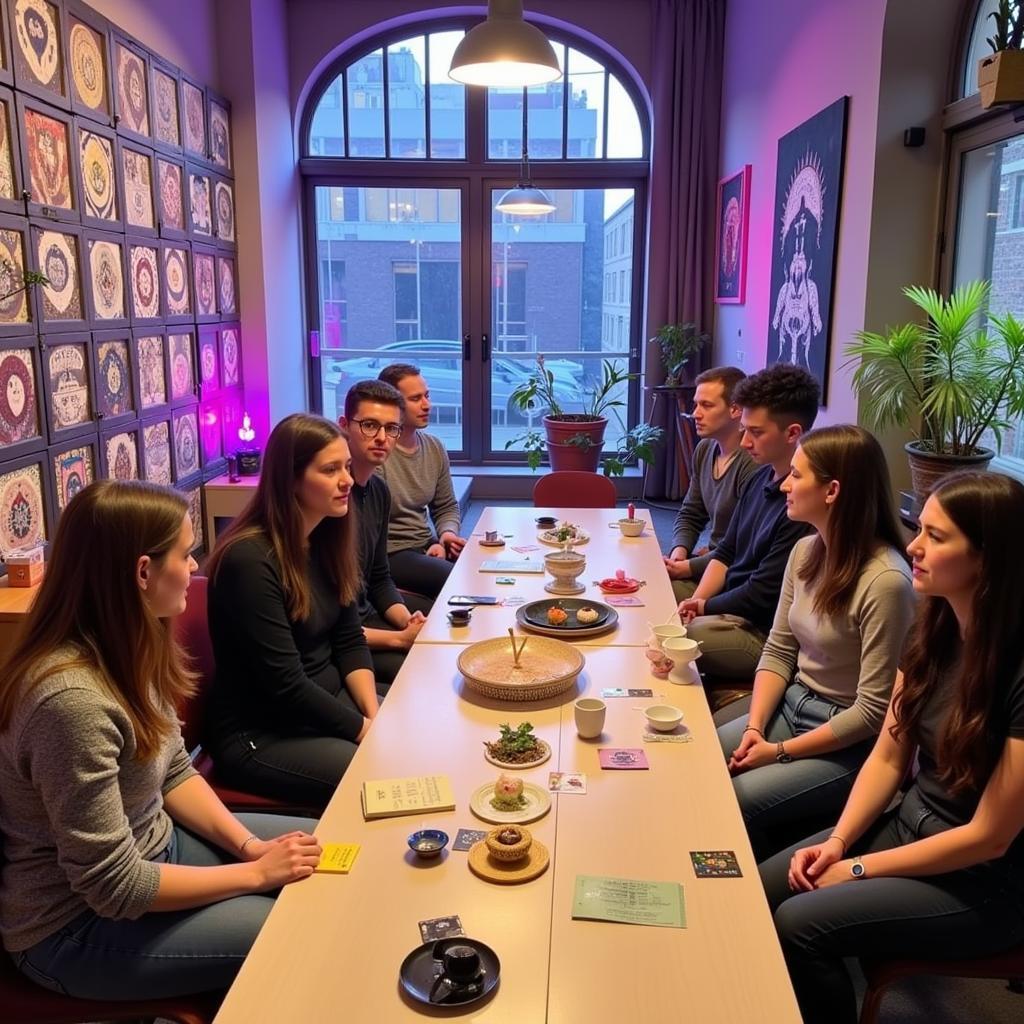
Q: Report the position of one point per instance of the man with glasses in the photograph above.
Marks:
(420, 480)
(373, 423)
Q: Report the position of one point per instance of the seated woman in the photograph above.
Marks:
(824, 679)
(124, 875)
(942, 874)
(294, 689)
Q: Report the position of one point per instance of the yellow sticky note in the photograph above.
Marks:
(338, 858)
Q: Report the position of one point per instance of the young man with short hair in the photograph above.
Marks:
(721, 468)
(420, 480)
(732, 608)
(373, 421)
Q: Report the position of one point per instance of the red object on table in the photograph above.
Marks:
(631, 511)
(620, 583)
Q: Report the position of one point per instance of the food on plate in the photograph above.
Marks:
(508, 794)
(516, 746)
(587, 615)
(508, 844)
(557, 616)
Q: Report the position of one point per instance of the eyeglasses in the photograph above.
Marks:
(370, 428)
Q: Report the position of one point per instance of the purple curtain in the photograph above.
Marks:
(687, 49)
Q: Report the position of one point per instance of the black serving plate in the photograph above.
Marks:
(421, 969)
(536, 613)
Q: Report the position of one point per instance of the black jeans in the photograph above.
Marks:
(413, 570)
(387, 661)
(977, 911)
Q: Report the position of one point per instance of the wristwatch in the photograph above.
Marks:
(857, 868)
(780, 754)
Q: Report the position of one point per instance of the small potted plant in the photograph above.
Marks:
(574, 440)
(677, 342)
(1001, 74)
(959, 375)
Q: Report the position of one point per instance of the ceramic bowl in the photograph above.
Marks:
(663, 717)
(667, 632)
(546, 522)
(428, 842)
(681, 649)
(503, 851)
(631, 527)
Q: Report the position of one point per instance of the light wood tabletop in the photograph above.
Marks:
(606, 551)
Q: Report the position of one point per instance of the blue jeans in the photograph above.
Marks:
(781, 802)
(978, 911)
(161, 954)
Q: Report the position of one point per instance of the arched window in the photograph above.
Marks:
(409, 261)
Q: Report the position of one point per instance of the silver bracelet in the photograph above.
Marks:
(251, 839)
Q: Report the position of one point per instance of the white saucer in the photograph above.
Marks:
(538, 803)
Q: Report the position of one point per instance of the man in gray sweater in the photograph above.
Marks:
(419, 478)
(721, 469)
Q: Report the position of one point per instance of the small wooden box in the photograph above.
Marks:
(25, 568)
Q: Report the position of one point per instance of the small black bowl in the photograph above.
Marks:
(546, 522)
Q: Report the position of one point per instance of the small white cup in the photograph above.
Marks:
(669, 631)
(681, 649)
(590, 717)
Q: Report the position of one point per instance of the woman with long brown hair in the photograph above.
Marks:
(294, 690)
(942, 874)
(824, 679)
(124, 876)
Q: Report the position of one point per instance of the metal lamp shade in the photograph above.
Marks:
(525, 201)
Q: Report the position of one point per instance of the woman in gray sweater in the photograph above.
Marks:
(823, 682)
(124, 876)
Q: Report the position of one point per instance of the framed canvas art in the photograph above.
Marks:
(73, 466)
(218, 113)
(88, 63)
(99, 185)
(37, 33)
(6, 59)
(731, 240)
(170, 175)
(11, 200)
(808, 187)
(229, 337)
(119, 453)
(22, 421)
(232, 408)
(209, 362)
(227, 296)
(24, 503)
(200, 208)
(195, 515)
(204, 280)
(211, 441)
(165, 87)
(137, 177)
(193, 118)
(131, 88)
(156, 452)
(143, 282)
(19, 304)
(150, 350)
(57, 254)
(51, 172)
(182, 360)
(224, 212)
(177, 289)
(186, 442)
(68, 386)
(115, 377)
(108, 301)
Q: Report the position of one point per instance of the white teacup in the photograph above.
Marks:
(590, 714)
(669, 631)
(681, 649)
(631, 527)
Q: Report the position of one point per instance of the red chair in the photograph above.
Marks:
(24, 1002)
(192, 632)
(882, 973)
(569, 488)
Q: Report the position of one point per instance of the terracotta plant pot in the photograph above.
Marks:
(571, 456)
(927, 468)
(1001, 78)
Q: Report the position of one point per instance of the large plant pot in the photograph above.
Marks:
(927, 468)
(1001, 77)
(573, 456)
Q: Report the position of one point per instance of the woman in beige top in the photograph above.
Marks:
(823, 682)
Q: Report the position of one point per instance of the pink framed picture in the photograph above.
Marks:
(733, 222)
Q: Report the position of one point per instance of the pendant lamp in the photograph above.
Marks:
(525, 200)
(504, 50)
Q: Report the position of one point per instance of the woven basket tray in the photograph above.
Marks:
(488, 669)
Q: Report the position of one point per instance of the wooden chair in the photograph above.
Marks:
(569, 488)
(882, 973)
(24, 1002)
(192, 632)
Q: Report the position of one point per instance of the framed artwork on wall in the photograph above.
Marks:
(150, 351)
(733, 222)
(193, 118)
(209, 362)
(195, 514)
(108, 301)
(181, 351)
(99, 185)
(204, 281)
(808, 187)
(6, 59)
(115, 376)
(51, 173)
(144, 281)
(11, 200)
(156, 452)
(137, 177)
(211, 441)
(165, 87)
(22, 421)
(218, 116)
(227, 294)
(56, 252)
(186, 442)
(232, 408)
(131, 88)
(119, 453)
(68, 386)
(19, 306)
(177, 290)
(229, 337)
(224, 212)
(170, 190)
(73, 466)
(37, 48)
(200, 208)
(24, 503)
(87, 56)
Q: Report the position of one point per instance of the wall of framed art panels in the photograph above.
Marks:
(116, 184)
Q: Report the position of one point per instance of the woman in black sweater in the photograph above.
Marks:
(294, 690)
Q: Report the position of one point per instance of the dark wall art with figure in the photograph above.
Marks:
(808, 190)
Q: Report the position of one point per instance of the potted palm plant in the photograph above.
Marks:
(1001, 74)
(575, 440)
(958, 376)
(677, 342)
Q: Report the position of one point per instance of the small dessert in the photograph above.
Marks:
(587, 615)
(508, 843)
(508, 794)
(516, 746)
(557, 616)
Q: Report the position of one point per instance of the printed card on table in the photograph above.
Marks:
(623, 759)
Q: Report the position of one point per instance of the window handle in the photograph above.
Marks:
(486, 347)
(465, 347)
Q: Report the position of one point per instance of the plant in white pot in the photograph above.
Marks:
(1001, 74)
(949, 380)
